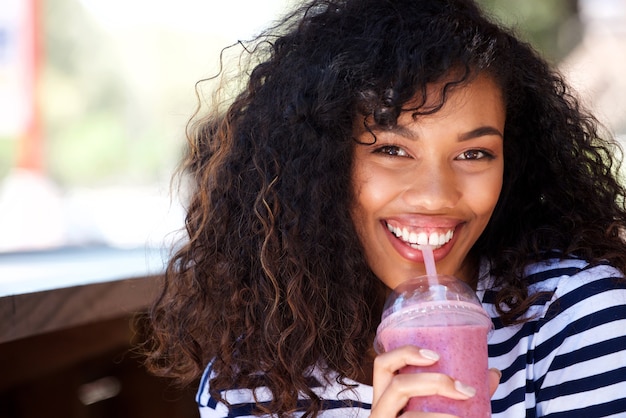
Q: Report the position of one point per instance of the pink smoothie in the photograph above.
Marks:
(463, 356)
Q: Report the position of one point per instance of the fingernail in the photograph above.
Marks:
(497, 371)
(464, 389)
(429, 354)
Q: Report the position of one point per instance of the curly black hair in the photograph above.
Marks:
(272, 279)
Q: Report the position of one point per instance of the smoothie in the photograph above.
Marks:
(463, 351)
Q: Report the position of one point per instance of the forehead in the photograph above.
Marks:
(451, 95)
(475, 101)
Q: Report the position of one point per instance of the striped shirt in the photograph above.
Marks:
(337, 401)
(568, 360)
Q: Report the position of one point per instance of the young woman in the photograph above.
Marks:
(366, 129)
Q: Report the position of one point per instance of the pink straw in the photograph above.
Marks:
(429, 260)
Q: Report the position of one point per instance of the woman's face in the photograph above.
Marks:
(434, 179)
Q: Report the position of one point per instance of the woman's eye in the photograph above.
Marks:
(473, 154)
(392, 150)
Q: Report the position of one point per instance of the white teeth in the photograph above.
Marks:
(433, 239)
(417, 239)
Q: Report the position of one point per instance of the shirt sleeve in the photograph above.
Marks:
(208, 406)
(338, 401)
(580, 352)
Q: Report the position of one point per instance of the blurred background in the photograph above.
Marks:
(95, 95)
(94, 99)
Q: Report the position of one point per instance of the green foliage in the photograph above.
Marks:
(101, 124)
(8, 148)
(551, 26)
(98, 149)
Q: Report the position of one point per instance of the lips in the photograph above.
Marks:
(418, 237)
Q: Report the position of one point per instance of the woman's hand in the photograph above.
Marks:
(393, 390)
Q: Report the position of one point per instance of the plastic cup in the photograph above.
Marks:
(443, 314)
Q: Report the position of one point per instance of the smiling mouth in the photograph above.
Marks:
(418, 238)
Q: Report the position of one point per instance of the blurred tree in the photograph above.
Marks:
(82, 96)
(101, 128)
(551, 26)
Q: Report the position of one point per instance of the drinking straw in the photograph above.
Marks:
(429, 260)
(438, 291)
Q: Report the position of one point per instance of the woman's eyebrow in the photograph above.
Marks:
(482, 131)
(412, 135)
(395, 130)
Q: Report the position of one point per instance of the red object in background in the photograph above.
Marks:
(20, 62)
(30, 146)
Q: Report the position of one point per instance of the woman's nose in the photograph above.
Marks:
(432, 186)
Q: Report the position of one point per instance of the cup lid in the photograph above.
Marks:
(421, 296)
(428, 289)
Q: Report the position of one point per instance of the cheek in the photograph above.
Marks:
(370, 198)
(367, 193)
(363, 233)
(358, 209)
(376, 188)
(487, 195)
